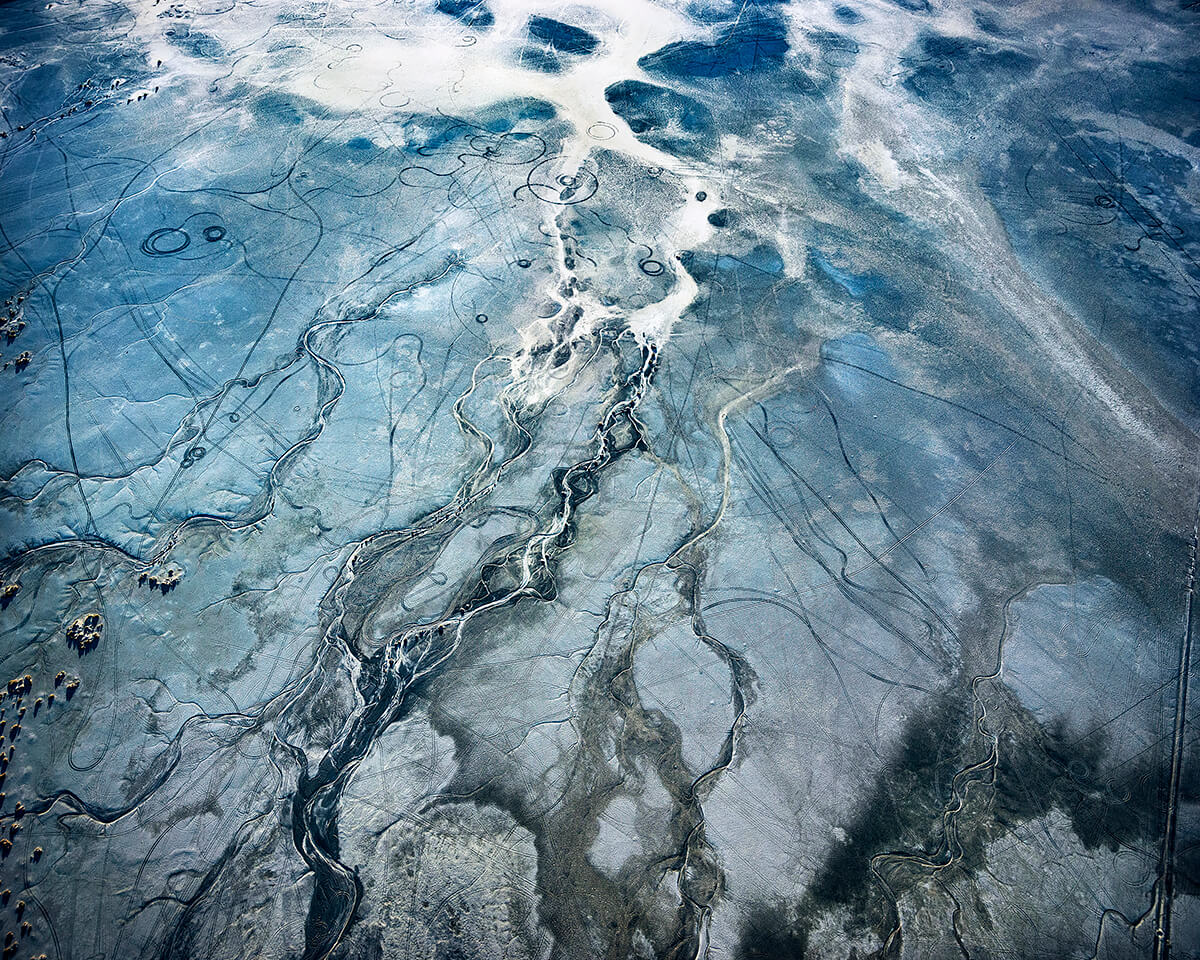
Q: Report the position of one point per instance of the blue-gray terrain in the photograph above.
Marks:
(690, 480)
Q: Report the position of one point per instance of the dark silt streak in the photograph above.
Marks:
(401, 666)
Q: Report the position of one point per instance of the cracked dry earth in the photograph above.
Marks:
(629, 479)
